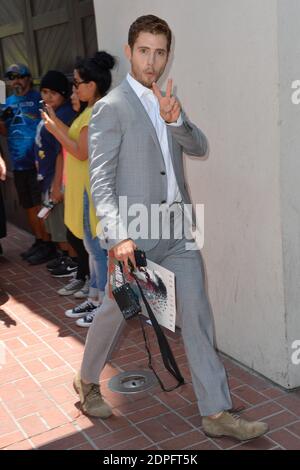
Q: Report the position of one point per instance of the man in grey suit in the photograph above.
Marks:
(137, 137)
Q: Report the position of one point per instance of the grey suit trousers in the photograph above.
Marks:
(208, 374)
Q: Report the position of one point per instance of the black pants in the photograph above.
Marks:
(2, 217)
(28, 188)
(83, 257)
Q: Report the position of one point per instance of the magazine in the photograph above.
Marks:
(158, 285)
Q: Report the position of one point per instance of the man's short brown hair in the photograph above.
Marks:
(149, 24)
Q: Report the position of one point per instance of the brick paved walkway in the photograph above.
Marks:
(44, 348)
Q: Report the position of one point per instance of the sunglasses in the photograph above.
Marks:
(76, 83)
(14, 76)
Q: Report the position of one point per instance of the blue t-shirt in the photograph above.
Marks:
(21, 129)
(46, 147)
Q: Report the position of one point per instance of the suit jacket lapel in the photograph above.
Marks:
(134, 100)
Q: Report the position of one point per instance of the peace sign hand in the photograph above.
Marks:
(170, 108)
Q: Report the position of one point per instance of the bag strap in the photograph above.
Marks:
(165, 350)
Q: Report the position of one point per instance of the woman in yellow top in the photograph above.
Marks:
(92, 80)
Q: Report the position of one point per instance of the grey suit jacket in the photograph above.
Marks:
(126, 160)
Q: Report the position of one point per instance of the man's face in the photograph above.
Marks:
(148, 58)
(20, 85)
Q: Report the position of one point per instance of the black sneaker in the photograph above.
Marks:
(81, 310)
(53, 264)
(45, 253)
(32, 250)
(66, 268)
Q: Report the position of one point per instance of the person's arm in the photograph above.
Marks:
(191, 139)
(79, 149)
(2, 169)
(56, 193)
(60, 124)
(105, 136)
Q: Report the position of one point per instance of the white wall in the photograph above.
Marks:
(289, 53)
(226, 69)
(2, 92)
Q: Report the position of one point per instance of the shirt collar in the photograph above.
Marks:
(139, 89)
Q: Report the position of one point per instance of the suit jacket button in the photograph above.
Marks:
(163, 202)
(163, 173)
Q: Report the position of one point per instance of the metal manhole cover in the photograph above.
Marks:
(132, 381)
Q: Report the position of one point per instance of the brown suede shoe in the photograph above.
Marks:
(232, 426)
(91, 400)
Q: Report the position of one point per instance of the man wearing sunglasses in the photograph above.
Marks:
(19, 125)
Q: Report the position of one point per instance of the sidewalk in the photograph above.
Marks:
(39, 408)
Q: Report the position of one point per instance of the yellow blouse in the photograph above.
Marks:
(77, 181)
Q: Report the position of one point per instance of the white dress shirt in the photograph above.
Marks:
(151, 105)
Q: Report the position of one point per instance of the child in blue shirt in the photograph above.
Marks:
(55, 92)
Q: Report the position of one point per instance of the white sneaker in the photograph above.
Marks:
(83, 290)
(81, 310)
(86, 321)
(73, 286)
